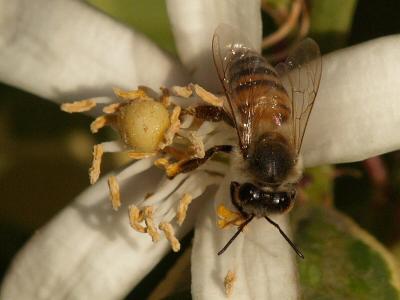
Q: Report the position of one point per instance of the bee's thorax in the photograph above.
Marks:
(270, 159)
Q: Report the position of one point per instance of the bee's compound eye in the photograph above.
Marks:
(280, 201)
(249, 192)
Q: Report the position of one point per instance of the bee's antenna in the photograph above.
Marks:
(240, 229)
(286, 238)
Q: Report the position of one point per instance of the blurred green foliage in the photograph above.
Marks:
(340, 262)
(331, 22)
(150, 17)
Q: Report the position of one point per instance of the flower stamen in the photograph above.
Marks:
(160, 125)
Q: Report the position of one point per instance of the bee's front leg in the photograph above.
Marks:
(185, 166)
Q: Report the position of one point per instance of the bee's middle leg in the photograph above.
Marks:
(212, 114)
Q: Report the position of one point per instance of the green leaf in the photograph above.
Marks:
(342, 261)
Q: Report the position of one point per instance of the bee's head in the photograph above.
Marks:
(252, 200)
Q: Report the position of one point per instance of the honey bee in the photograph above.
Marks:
(269, 108)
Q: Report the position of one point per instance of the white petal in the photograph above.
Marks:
(357, 110)
(64, 49)
(88, 251)
(194, 22)
(261, 259)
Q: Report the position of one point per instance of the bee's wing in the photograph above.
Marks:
(300, 74)
(228, 41)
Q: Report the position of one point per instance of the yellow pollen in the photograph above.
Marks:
(229, 282)
(170, 235)
(173, 169)
(228, 217)
(197, 145)
(161, 163)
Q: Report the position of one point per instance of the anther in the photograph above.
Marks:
(182, 208)
(78, 106)
(130, 95)
(170, 235)
(182, 91)
(100, 122)
(94, 171)
(114, 192)
(148, 219)
(173, 128)
(207, 96)
(135, 218)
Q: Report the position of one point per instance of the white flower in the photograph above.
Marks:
(63, 49)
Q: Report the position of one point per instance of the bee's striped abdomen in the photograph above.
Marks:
(254, 83)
